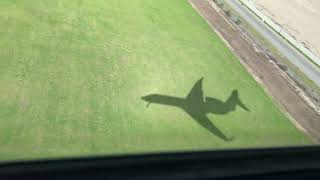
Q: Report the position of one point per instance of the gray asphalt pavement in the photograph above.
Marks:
(296, 58)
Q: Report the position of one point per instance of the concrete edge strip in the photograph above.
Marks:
(299, 91)
(283, 34)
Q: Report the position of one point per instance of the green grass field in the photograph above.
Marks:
(72, 74)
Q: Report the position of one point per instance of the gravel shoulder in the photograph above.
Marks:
(275, 83)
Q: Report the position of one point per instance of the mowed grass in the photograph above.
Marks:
(72, 74)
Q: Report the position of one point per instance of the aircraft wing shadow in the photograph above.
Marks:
(205, 122)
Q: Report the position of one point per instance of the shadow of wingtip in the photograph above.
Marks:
(247, 109)
(229, 139)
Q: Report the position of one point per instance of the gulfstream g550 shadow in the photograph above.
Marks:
(198, 107)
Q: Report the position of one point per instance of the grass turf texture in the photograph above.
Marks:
(72, 74)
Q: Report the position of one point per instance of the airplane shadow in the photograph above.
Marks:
(198, 106)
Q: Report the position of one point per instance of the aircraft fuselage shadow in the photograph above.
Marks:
(198, 107)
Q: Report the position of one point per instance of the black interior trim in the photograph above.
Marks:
(272, 163)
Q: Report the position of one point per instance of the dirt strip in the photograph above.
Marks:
(263, 70)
